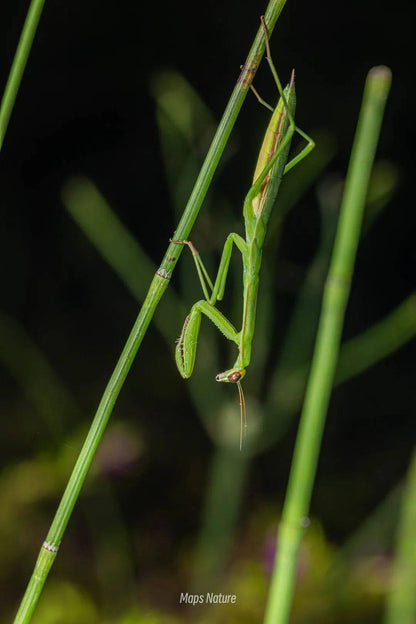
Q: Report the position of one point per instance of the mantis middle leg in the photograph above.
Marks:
(185, 351)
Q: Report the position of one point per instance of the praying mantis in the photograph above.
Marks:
(272, 164)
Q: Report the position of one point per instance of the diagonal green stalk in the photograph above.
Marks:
(19, 64)
(157, 288)
(335, 298)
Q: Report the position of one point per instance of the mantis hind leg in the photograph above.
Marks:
(303, 153)
(185, 351)
(310, 142)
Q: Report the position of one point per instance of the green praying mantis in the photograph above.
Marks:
(272, 164)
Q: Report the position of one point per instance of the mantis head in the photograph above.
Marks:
(232, 375)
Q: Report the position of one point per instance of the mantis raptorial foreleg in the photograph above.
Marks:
(272, 164)
(185, 351)
(293, 127)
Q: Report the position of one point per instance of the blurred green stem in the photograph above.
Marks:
(34, 373)
(377, 342)
(19, 64)
(222, 504)
(119, 249)
(335, 297)
(157, 288)
(401, 599)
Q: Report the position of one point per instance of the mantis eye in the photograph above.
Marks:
(234, 376)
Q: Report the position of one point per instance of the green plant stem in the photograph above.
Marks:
(19, 64)
(335, 297)
(157, 288)
(34, 374)
(226, 480)
(401, 599)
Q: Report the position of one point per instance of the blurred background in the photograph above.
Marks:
(116, 110)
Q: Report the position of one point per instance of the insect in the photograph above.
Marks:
(272, 164)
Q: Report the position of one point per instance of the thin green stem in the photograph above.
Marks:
(401, 599)
(19, 64)
(156, 290)
(336, 293)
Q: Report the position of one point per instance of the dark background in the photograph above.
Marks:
(84, 107)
